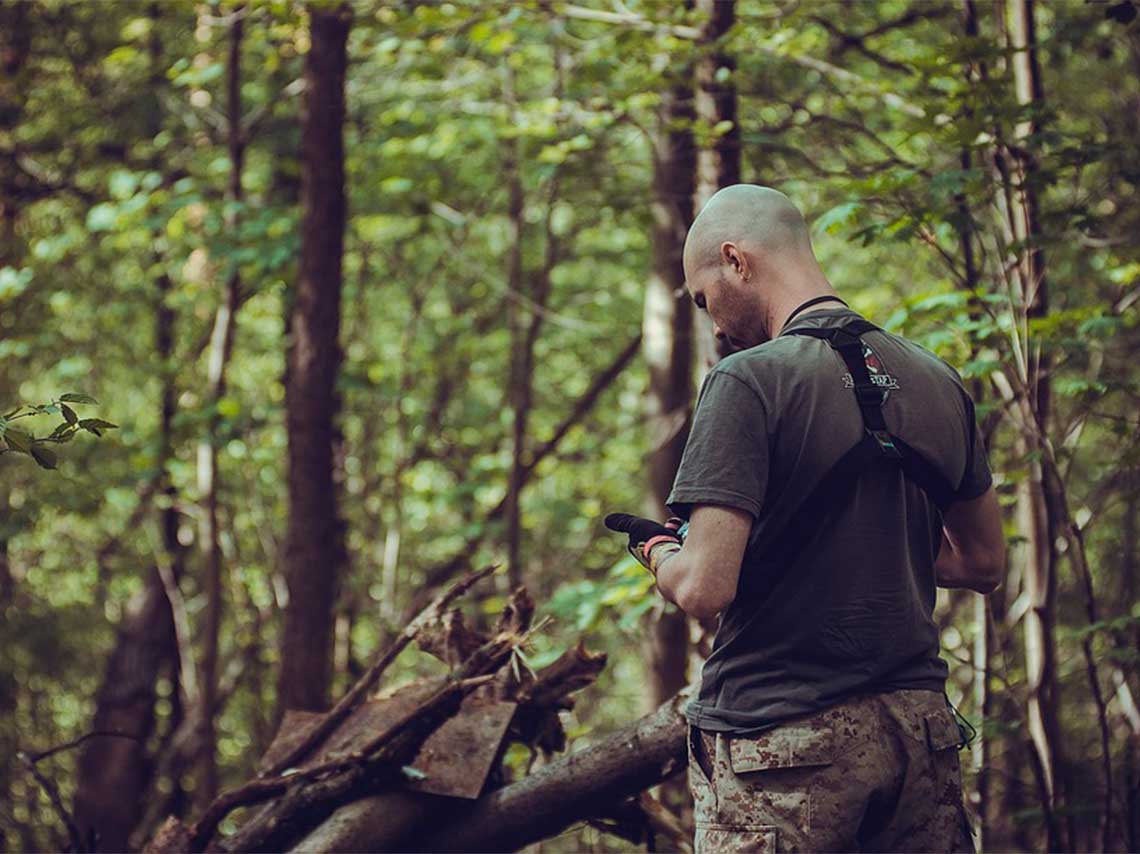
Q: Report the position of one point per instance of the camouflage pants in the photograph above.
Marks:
(874, 773)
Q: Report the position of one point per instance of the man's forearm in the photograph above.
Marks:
(954, 569)
(948, 569)
(663, 563)
(675, 583)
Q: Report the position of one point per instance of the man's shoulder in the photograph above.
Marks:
(786, 348)
(772, 362)
(924, 357)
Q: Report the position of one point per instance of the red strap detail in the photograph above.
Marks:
(647, 546)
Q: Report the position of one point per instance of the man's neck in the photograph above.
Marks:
(780, 314)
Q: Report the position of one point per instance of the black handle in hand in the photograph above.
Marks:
(640, 530)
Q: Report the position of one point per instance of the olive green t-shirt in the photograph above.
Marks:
(852, 613)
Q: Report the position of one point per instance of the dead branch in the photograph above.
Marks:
(56, 799)
(312, 795)
(369, 680)
(29, 761)
(51, 751)
(574, 788)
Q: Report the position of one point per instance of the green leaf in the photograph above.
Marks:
(840, 215)
(95, 425)
(77, 397)
(18, 440)
(43, 456)
(69, 414)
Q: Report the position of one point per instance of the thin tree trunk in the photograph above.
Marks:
(667, 346)
(114, 773)
(980, 755)
(1040, 573)
(221, 346)
(983, 641)
(518, 384)
(718, 156)
(15, 50)
(314, 549)
(1047, 482)
(533, 290)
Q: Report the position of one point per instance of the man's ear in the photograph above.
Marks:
(731, 254)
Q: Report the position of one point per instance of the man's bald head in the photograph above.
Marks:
(760, 219)
(749, 263)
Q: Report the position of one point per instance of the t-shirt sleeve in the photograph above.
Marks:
(978, 477)
(726, 456)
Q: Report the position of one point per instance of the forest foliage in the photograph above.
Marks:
(973, 194)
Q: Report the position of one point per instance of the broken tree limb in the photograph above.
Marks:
(574, 788)
(369, 680)
(312, 797)
(308, 791)
(311, 794)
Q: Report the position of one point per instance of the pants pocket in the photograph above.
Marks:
(701, 777)
(725, 838)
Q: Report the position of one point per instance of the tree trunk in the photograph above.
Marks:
(667, 346)
(518, 382)
(1035, 522)
(15, 49)
(718, 155)
(314, 549)
(114, 773)
(221, 345)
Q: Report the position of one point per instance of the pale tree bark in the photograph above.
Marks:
(1060, 525)
(314, 550)
(718, 155)
(667, 347)
(218, 356)
(981, 755)
(1040, 570)
(1043, 501)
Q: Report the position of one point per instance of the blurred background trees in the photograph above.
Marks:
(330, 406)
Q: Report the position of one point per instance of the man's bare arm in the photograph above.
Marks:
(973, 546)
(701, 578)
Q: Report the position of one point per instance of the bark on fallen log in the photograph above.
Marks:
(577, 787)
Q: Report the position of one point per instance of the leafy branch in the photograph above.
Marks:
(21, 441)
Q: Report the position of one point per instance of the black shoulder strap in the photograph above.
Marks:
(877, 447)
(847, 341)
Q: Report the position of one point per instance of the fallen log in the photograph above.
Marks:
(574, 788)
(405, 770)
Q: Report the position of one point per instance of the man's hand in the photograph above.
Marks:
(973, 545)
(645, 535)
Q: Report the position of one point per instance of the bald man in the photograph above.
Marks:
(832, 478)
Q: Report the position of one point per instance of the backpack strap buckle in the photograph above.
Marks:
(886, 443)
